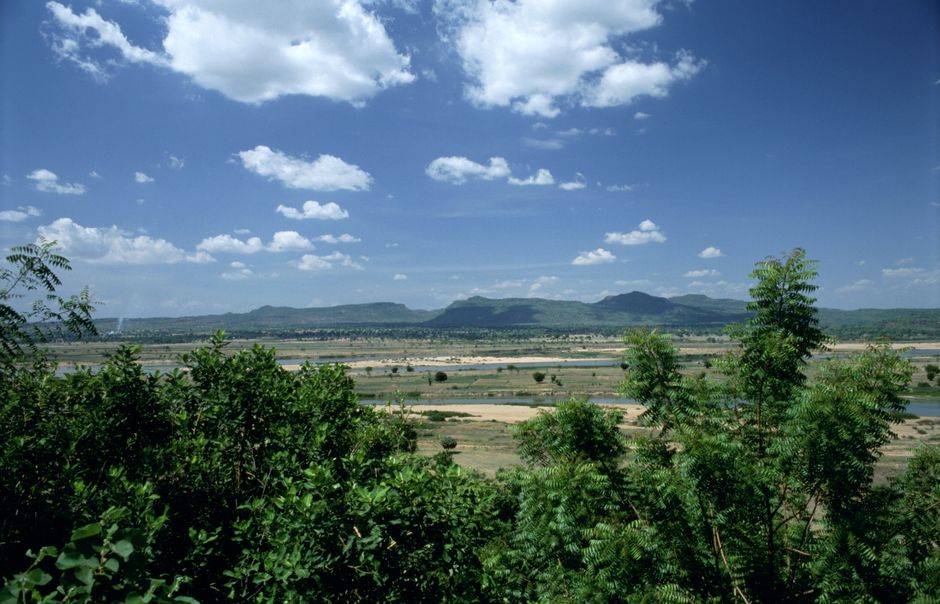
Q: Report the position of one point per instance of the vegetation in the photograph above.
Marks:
(237, 480)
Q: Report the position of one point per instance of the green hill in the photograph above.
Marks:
(617, 311)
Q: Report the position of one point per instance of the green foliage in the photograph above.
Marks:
(238, 480)
(32, 272)
(932, 371)
(574, 430)
(440, 377)
(102, 561)
(538, 376)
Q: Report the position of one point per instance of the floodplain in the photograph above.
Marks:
(484, 387)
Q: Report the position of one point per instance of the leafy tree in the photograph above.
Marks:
(440, 377)
(32, 272)
(539, 377)
(932, 371)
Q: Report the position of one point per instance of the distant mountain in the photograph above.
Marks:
(622, 310)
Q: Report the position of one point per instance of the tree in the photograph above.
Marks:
(932, 371)
(440, 377)
(32, 268)
(759, 485)
(539, 377)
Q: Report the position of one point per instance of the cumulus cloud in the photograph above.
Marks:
(541, 178)
(142, 178)
(20, 214)
(344, 238)
(400, 277)
(326, 173)
(281, 241)
(710, 252)
(598, 256)
(457, 170)
(113, 246)
(312, 262)
(639, 115)
(626, 81)
(647, 232)
(48, 182)
(312, 210)
(538, 57)
(284, 241)
(226, 244)
(705, 272)
(249, 52)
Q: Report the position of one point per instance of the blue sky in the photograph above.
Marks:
(202, 156)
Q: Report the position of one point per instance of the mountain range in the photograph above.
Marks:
(617, 311)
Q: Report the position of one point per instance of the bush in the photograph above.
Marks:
(440, 377)
(539, 377)
(448, 442)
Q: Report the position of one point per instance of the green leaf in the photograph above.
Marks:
(89, 530)
(123, 548)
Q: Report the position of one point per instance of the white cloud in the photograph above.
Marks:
(89, 30)
(250, 52)
(312, 210)
(281, 241)
(705, 272)
(622, 83)
(542, 282)
(326, 173)
(20, 214)
(344, 238)
(574, 185)
(710, 252)
(541, 178)
(94, 174)
(48, 182)
(902, 273)
(114, 246)
(857, 286)
(619, 188)
(538, 57)
(284, 241)
(457, 170)
(639, 115)
(633, 282)
(174, 163)
(242, 231)
(142, 178)
(598, 256)
(312, 262)
(647, 232)
(400, 277)
(240, 271)
(230, 245)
